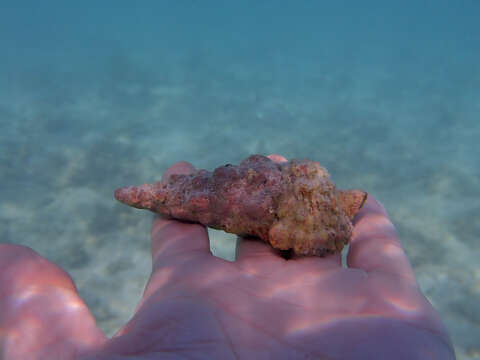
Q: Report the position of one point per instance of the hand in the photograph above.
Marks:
(260, 306)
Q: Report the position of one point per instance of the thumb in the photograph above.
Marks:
(41, 314)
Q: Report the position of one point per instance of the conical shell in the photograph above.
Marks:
(292, 205)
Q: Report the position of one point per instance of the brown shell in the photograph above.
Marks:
(292, 205)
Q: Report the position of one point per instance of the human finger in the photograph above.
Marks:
(170, 237)
(179, 168)
(277, 158)
(254, 250)
(375, 245)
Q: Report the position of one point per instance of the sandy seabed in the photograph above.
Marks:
(66, 148)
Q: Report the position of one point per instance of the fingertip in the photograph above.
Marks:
(179, 168)
(277, 158)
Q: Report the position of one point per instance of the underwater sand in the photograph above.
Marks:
(411, 142)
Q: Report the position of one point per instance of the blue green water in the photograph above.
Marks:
(95, 95)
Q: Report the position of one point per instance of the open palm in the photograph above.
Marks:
(261, 306)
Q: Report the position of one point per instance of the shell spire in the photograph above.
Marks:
(292, 205)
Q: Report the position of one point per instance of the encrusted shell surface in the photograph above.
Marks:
(292, 205)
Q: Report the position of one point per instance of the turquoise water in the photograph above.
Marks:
(98, 95)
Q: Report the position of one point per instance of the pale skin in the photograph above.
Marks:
(261, 306)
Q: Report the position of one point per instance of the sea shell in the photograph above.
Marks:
(292, 205)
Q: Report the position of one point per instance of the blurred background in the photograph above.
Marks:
(97, 95)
